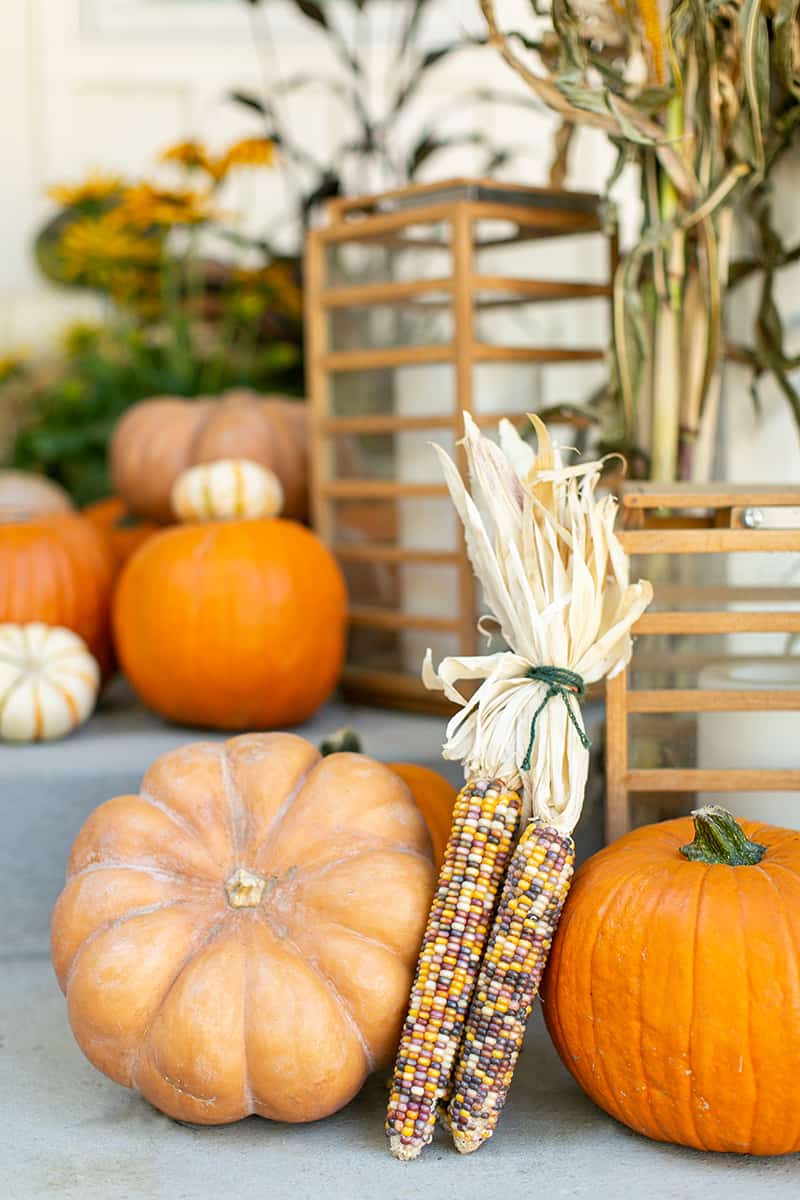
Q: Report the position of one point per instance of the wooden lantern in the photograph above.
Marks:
(679, 524)
(421, 303)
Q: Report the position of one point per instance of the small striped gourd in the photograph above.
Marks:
(225, 490)
(48, 682)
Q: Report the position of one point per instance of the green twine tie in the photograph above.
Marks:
(561, 683)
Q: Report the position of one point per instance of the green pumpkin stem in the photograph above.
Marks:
(342, 740)
(719, 838)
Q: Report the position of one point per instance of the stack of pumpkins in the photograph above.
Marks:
(233, 618)
(240, 936)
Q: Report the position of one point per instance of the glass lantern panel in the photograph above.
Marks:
(403, 457)
(520, 387)
(425, 389)
(400, 651)
(419, 589)
(736, 582)
(501, 249)
(502, 319)
(410, 522)
(714, 662)
(424, 321)
(416, 251)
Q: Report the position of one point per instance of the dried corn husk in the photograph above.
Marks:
(556, 580)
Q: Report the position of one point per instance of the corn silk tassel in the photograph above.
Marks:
(556, 580)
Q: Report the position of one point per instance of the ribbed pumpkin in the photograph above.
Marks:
(123, 532)
(56, 568)
(435, 796)
(48, 682)
(240, 937)
(232, 625)
(157, 440)
(673, 990)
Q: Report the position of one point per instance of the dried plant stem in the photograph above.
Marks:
(679, 172)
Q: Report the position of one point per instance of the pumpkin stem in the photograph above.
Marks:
(344, 739)
(719, 838)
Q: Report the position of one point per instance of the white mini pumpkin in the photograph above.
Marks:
(229, 488)
(48, 682)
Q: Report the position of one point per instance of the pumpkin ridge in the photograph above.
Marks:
(237, 810)
(364, 937)
(791, 939)
(184, 825)
(211, 933)
(598, 918)
(364, 850)
(272, 831)
(695, 960)
(748, 993)
(143, 910)
(645, 937)
(247, 1087)
(68, 699)
(156, 872)
(312, 963)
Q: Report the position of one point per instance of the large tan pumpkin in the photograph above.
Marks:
(157, 440)
(240, 937)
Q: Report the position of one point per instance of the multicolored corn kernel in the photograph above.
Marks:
(533, 895)
(485, 819)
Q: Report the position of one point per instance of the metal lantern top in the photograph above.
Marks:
(423, 303)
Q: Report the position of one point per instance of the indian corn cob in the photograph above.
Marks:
(556, 581)
(533, 895)
(485, 819)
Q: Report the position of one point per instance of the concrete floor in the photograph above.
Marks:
(71, 1134)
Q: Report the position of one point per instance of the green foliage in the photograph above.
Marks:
(73, 409)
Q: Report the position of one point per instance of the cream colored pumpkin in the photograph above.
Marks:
(230, 488)
(48, 682)
(241, 936)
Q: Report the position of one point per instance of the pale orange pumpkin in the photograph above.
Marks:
(232, 624)
(57, 569)
(25, 493)
(157, 440)
(240, 937)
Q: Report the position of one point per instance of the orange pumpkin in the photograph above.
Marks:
(673, 988)
(434, 795)
(240, 938)
(232, 625)
(124, 532)
(57, 569)
(157, 440)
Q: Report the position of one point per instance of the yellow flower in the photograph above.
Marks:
(93, 247)
(96, 188)
(190, 154)
(249, 152)
(11, 364)
(144, 205)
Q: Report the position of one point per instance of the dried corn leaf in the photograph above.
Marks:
(556, 581)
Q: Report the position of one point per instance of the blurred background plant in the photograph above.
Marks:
(201, 290)
(703, 97)
(371, 63)
(195, 304)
